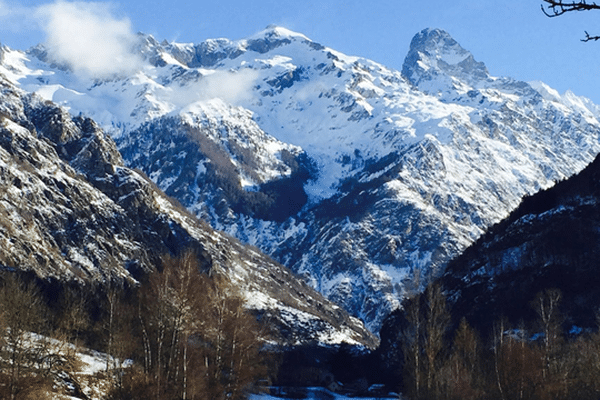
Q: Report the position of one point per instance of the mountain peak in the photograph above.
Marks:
(434, 53)
(272, 37)
(276, 31)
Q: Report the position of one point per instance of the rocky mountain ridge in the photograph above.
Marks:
(358, 177)
(73, 213)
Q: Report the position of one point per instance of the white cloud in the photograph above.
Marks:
(232, 87)
(89, 38)
(93, 41)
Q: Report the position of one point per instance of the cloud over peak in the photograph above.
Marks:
(89, 38)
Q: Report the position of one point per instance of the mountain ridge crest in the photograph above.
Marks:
(382, 177)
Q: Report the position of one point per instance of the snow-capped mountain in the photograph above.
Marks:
(72, 213)
(356, 176)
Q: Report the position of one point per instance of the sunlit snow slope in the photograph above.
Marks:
(361, 178)
(72, 213)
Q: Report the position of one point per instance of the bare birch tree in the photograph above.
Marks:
(436, 324)
(198, 340)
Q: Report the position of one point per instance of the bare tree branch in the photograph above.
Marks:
(555, 8)
(589, 38)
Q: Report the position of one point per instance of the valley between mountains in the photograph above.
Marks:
(353, 175)
(327, 186)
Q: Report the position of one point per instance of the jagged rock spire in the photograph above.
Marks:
(434, 53)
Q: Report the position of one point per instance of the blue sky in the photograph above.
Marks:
(512, 37)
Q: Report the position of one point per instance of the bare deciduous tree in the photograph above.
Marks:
(30, 360)
(517, 364)
(463, 372)
(411, 338)
(73, 318)
(546, 305)
(168, 314)
(423, 341)
(22, 314)
(198, 341)
(557, 365)
(436, 325)
(233, 358)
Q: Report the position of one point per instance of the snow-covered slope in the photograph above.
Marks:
(359, 177)
(71, 212)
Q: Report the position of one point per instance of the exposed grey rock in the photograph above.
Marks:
(71, 211)
(382, 176)
(434, 53)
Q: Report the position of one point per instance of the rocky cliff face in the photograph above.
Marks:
(358, 177)
(71, 211)
(56, 222)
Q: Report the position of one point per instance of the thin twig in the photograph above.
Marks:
(556, 8)
(589, 38)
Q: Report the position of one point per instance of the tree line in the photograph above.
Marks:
(538, 361)
(187, 334)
